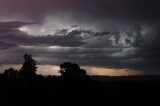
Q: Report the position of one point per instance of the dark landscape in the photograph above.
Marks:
(79, 52)
(74, 87)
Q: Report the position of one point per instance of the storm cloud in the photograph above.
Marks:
(122, 34)
(98, 9)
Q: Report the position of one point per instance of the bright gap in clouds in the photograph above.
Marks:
(51, 24)
(53, 70)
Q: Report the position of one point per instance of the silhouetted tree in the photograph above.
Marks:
(29, 68)
(11, 74)
(72, 71)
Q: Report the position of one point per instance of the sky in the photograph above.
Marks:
(113, 37)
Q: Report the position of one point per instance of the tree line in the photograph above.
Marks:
(68, 71)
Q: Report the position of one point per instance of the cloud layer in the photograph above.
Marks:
(103, 33)
(98, 9)
(136, 47)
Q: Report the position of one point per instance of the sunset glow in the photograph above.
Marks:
(54, 70)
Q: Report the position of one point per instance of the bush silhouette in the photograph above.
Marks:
(11, 74)
(29, 68)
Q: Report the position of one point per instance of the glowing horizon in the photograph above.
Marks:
(99, 71)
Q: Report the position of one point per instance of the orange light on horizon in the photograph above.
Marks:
(99, 71)
(111, 72)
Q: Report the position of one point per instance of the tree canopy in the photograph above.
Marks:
(29, 67)
(72, 71)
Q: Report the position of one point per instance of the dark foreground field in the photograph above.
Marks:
(99, 91)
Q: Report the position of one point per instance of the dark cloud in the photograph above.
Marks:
(10, 33)
(121, 33)
(98, 9)
(4, 45)
(12, 25)
(9, 27)
(43, 40)
(64, 37)
(136, 48)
